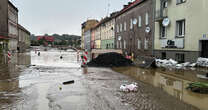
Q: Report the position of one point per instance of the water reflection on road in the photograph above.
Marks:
(9, 78)
(174, 82)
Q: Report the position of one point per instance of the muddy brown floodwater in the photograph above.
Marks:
(173, 82)
(32, 82)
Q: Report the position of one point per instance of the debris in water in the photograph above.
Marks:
(110, 60)
(202, 76)
(129, 88)
(68, 82)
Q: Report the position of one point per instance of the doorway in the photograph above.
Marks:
(204, 48)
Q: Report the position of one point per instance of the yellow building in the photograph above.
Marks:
(181, 29)
(85, 27)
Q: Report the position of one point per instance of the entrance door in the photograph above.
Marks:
(204, 52)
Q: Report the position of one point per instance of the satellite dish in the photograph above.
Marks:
(119, 38)
(147, 30)
(135, 21)
(166, 22)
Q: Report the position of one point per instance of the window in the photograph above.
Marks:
(147, 19)
(124, 26)
(117, 28)
(180, 57)
(120, 45)
(139, 44)
(140, 21)
(180, 1)
(146, 44)
(180, 28)
(124, 44)
(121, 27)
(165, 4)
(117, 44)
(163, 31)
(131, 24)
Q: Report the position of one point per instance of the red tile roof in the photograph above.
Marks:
(136, 2)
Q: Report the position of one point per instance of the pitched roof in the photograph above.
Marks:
(130, 6)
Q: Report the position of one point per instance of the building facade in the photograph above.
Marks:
(97, 30)
(85, 27)
(181, 29)
(8, 26)
(87, 40)
(23, 39)
(107, 32)
(134, 28)
(12, 27)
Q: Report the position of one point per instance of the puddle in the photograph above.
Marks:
(173, 82)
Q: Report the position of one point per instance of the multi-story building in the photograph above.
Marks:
(23, 39)
(97, 30)
(107, 32)
(85, 27)
(134, 28)
(181, 29)
(8, 26)
(92, 42)
(87, 40)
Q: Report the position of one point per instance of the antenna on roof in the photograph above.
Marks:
(108, 9)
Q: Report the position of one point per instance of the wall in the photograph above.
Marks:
(129, 36)
(195, 14)
(3, 17)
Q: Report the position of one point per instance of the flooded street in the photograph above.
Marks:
(32, 82)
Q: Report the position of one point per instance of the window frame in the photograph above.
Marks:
(139, 21)
(139, 44)
(181, 1)
(146, 18)
(165, 34)
(183, 31)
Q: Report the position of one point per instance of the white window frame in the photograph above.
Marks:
(117, 28)
(124, 26)
(121, 27)
(120, 45)
(147, 18)
(131, 24)
(180, 24)
(140, 21)
(139, 44)
(146, 44)
(117, 44)
(124, 44)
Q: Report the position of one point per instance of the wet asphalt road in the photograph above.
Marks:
(39, 87)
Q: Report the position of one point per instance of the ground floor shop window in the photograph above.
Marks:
(180, 57)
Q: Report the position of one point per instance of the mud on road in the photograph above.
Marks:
(39, 87)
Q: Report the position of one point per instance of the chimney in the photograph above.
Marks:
(129, 3)
(124, 6)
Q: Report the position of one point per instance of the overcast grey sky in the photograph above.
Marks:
(62, 16)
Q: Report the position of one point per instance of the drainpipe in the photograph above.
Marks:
(153, 32)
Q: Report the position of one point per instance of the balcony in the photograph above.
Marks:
(160, 14)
